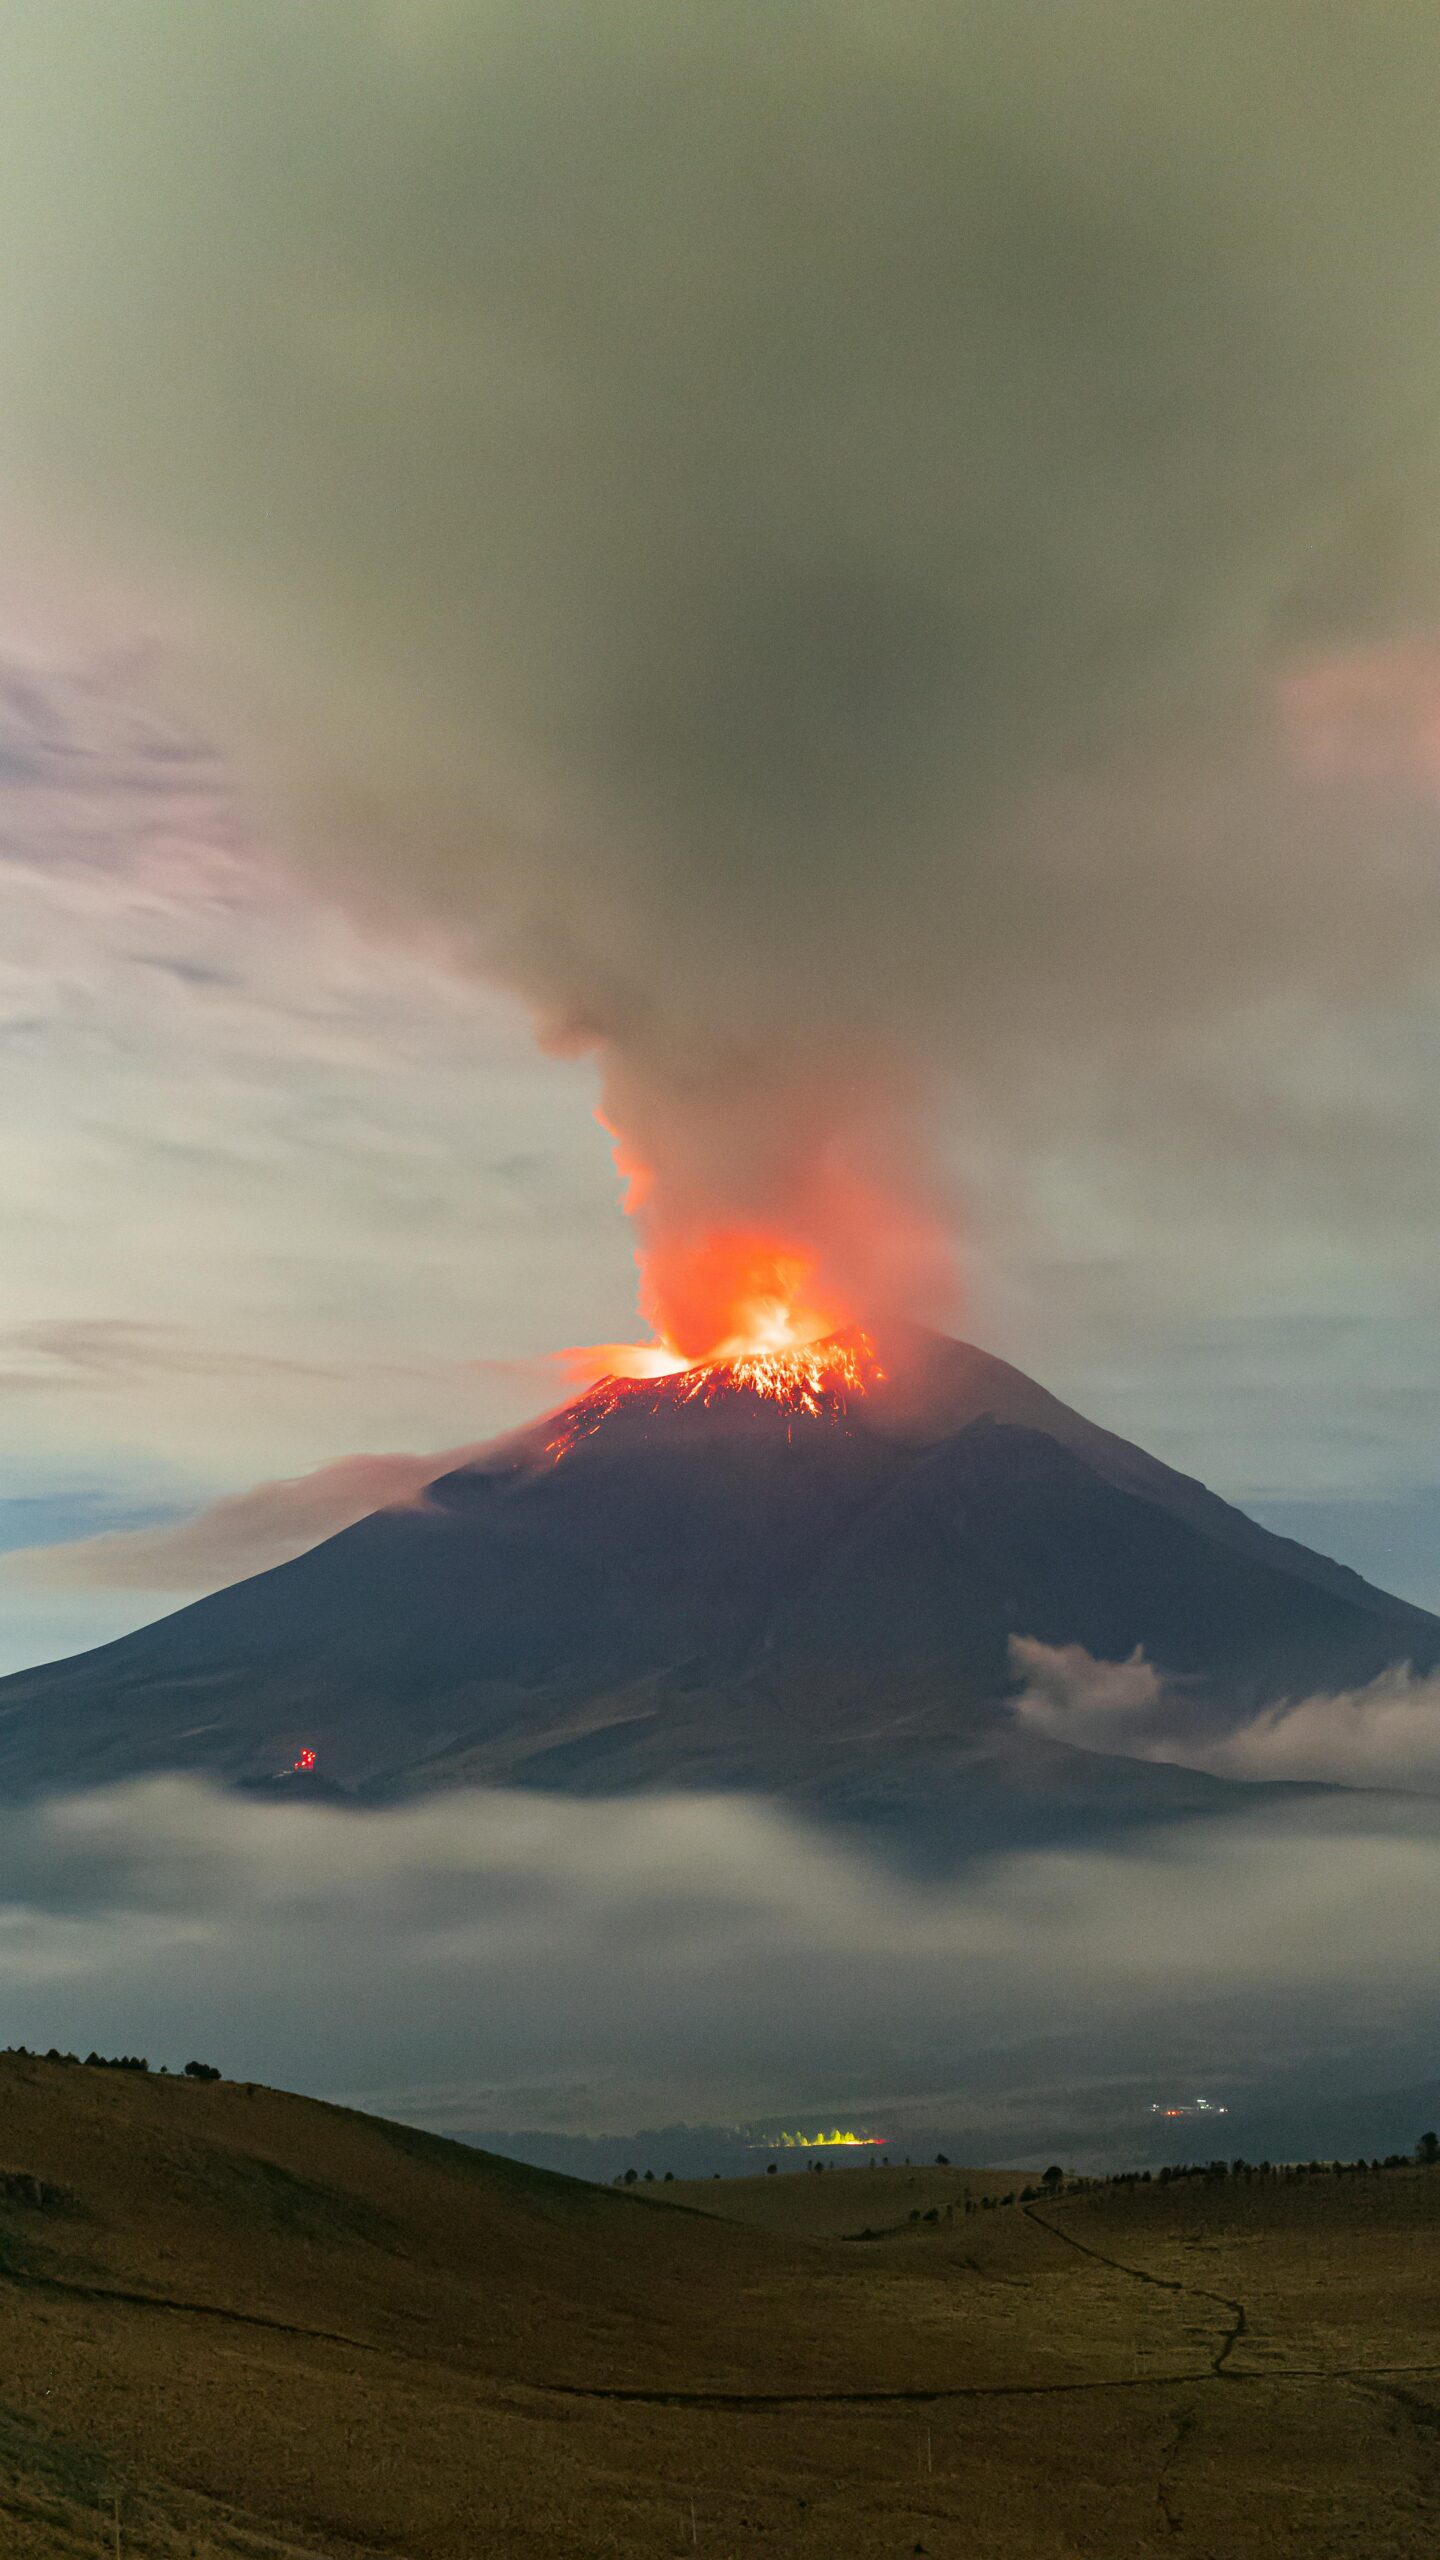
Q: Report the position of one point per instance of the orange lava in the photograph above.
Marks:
(733, 1296)
(714, 1292)
(807, 1380)
(739, 1307)
(724, 1299)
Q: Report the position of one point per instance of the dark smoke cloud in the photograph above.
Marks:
(812, 540)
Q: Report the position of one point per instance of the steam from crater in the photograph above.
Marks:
(799, 536)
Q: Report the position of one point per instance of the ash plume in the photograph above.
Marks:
(814, 543)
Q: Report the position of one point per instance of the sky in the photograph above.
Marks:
(817, 623)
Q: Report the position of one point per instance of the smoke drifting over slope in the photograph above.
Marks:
(809, 541)
(242, 1533)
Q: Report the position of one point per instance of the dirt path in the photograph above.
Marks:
(1218, 2369)
(1164, 2284)
(937, 2393)
(643, 2396)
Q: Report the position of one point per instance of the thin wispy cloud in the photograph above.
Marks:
(72, 1352)
(240, 1534)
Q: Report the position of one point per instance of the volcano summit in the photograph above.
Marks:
(813, 1382)
(800, 1575)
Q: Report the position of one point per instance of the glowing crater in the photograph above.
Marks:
(807, 1381)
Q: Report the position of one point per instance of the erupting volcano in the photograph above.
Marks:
(781, 1263)
(742, 1319)
(806, 1381)
(795, 1571)
(785, 1547)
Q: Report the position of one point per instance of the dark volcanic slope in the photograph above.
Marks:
(727, 1594)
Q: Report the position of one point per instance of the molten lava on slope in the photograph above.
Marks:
(808, 1380)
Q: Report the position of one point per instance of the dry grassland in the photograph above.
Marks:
(845, 2199)
(236, 2325)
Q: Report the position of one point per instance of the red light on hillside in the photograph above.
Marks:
(306, 1760)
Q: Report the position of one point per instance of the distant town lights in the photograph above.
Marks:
(836, 2141)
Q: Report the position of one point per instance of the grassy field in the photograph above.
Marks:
(234, 2323)
(844, 2200)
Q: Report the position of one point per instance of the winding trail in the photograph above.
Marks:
(1165, 2284)
(1217, 2369)
(937, 2393)
(29, 2280)
(647, 2396)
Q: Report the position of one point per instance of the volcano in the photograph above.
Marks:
(800, 1576)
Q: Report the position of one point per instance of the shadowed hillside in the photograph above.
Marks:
(233, 2322)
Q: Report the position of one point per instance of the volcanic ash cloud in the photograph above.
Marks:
(800, 539)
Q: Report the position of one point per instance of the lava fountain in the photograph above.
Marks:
(767, 1328)
(807, 1381)
(775, 1314)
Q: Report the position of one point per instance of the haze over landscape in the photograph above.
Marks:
(719, 926)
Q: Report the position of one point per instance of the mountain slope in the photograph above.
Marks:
(238, 2325)
(729, 1593)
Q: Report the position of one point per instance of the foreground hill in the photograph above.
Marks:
(235, 2322)
(722, 1592)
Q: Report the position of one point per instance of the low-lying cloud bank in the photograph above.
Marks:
(1384, 1735)
(707, 1955)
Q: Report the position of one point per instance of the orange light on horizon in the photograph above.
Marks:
(836, 2141)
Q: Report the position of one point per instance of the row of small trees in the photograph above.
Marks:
(116, 2062)
(1053, 2180)
(1426, 2154)
(137, 2062)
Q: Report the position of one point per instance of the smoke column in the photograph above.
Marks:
(798, 537)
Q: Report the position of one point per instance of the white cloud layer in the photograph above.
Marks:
(712, 1949)
(1384, 1735)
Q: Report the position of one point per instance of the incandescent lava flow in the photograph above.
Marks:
(742, 1319)
(807, 1381)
